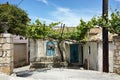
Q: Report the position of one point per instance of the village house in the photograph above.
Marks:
(87, 54)
(47, 51)
(92, 49)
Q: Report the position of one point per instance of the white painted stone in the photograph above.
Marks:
(2, 40)
(116, 66)
(5, 60)
(5, 40)
(6, 35)
(7, 46)
(32, 50)
(118, 57)
(6, 51)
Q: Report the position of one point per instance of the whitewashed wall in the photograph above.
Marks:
(38, 49)
(111, 55)
(100, 56)
(95, 59)
(92, 56)
(32, 49)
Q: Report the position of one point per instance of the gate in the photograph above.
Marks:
(74, 53)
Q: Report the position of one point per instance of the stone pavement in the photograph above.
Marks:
(24, 73)
(65, 74)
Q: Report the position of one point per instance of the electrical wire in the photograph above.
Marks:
(20, 2)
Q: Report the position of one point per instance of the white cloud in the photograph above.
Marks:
(44, 1)
(69, 16)
(66, 16)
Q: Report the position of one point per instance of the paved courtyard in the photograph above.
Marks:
(59, 74)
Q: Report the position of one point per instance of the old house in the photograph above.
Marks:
(88, 53)
(43, 52)
(73, 53)
(92, 50)
(47, 51)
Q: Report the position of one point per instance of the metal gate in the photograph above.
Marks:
(74, 57)
(20, 54)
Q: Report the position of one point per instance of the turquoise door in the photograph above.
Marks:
(50, 48)
(74, 53)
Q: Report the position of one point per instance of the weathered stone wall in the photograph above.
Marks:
(6, 53)
(116, 58)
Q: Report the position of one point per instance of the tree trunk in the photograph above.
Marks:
(61, 52)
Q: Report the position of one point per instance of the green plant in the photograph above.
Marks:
(15, 18)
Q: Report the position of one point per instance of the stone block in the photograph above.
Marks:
(116, 54)
(9, 53)
(6, 35)
(117, 70)
(6, 40)
(116, 51)
(115, 58)
(6, 53)
(1, 46)
(118, 58)
(5, 60)
(118, 47)
(118, 43)
(117, 66)
(116, 38)
(3, 53)
(7, 64)
(1, 40)
(6, 70)
(119, 53)
(116, 62)
(7, 46)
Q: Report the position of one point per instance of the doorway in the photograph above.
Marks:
(74, 56)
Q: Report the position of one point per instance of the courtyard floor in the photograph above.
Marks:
(24, 73)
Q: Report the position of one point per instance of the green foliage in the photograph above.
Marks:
(81, 31)
(115, 22)
(40, 30)
(78, 33)
(112, 22)
(15, 18)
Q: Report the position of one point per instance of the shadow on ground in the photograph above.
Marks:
(28, 73)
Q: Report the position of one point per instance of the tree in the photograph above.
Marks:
(115, 22)
(39, 30)
(15, 18)
(80, 32)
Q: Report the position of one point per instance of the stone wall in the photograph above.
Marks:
(6, 53)
(116, 58)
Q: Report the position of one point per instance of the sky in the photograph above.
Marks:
(69, 12)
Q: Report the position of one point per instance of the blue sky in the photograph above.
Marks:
(68, 12)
